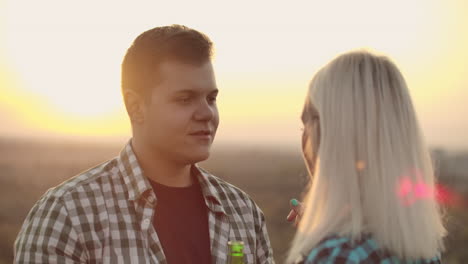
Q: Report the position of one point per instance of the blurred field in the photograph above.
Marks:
(270, 175)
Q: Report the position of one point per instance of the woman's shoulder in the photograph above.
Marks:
(337, 250)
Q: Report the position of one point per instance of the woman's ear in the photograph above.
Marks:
(135, 105)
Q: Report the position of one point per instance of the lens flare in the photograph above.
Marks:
(412, 188)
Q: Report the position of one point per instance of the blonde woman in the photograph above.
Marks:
(371, 197)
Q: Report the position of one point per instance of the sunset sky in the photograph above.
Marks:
(60, 61)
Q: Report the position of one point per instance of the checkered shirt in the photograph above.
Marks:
(104, 215)
(341, 250)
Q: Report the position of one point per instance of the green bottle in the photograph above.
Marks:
(236, 252)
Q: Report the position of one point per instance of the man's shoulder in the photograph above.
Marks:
(232, 198)
(91, 179)
(223, 187)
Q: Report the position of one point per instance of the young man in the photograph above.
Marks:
(152, 204)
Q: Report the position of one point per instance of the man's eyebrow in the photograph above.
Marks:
(194, 91)
(186, 92)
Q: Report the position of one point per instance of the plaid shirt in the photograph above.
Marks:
(340, 250)
(105, 215)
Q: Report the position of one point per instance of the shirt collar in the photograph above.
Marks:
(210, 186)
(138, 185)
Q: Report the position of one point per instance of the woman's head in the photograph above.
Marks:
(363, 145)
(350, 99)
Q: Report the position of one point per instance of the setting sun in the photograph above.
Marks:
(61, 72)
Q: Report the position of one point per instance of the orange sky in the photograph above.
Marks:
(60, 62)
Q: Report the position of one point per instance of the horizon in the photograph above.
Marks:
(119, 142)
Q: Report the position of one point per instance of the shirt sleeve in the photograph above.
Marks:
(47, 235)
(264, 253)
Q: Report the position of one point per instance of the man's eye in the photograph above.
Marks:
(212, 99)
(184, 99)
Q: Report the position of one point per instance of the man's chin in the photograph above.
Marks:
(198, 155)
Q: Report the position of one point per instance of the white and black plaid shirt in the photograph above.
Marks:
(105, 216)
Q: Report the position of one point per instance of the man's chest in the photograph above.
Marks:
(126, 234)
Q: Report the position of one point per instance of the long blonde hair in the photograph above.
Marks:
(373, 173)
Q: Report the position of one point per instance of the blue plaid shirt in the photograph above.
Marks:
(339, 250)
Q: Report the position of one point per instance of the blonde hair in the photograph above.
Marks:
(373, 172)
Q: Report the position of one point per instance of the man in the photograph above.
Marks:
(152, 204)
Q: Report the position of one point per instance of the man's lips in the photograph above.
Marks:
(202, 133)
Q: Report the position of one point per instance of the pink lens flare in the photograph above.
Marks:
(406, 187)
(410, 192)
(448, 197)
(413, 189)
(423, 191)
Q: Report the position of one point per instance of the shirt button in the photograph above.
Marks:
(151, 199)
(145, 224)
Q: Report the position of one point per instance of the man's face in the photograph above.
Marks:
(181, 116)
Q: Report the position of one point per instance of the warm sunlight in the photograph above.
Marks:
(62, 60)
(67, 155)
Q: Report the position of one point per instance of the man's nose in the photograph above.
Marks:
(205, 111)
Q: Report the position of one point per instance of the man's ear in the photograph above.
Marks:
(134, 104)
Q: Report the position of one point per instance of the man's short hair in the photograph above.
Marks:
(153, 47)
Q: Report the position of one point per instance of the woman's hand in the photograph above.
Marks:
(296, 212)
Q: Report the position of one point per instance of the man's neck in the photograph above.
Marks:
(159, 169)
